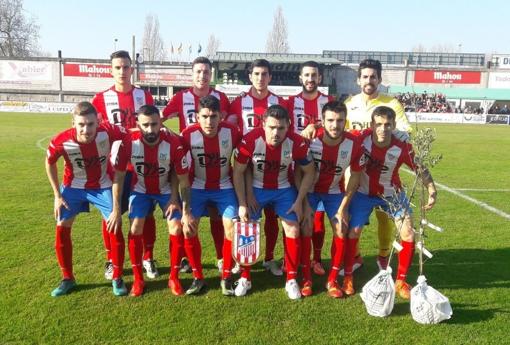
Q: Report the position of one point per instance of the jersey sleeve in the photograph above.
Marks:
(54, 151)
(98, 103)
(122, 159)
(408, 156)
(300, 151)
(244, 151)
(172, 108)
(401, 117)
(179, 159)
(357, 161)
(224, 104)
(148, 98)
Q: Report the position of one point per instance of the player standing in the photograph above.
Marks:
(270, 153)
(153, 152)
(380, 182)
(85, 148)
(246, 112)
(211, 143)
(305, 110)
(185, 104)
(119, 105)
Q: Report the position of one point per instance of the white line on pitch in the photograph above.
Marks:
(468, 198)
(39, 143)
(481, 190)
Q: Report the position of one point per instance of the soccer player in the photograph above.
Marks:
(153, 152)
(85, 148)
(380, 186)
(246, 112)
(305, 111)
(333, 151)
(270, 153)
(118, 105)
(184, 104)
(211, 143)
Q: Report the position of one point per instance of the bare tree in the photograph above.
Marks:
(277, 39)
(153, 47)
(19, 33)
(212, 46)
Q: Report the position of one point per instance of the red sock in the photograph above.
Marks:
(149, 237)
(245, 272)
(319, 231)
(306, 249)
(118, 249)
(227, 258)
(336, 257)
(176, 244)
(64, 250)
(218, 233)
(194, 253)
(106, 240)
(271, 231)
(135, 244)
(292, 255)
(405, 258)
(350, 252)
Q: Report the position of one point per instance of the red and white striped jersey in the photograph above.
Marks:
(86, 165)
(380, 176)
(272, 166)
(248, 110)
(152, 164)
(185, 103)
(303, 111)
(119, 108)
(332, 161)
(210, 157)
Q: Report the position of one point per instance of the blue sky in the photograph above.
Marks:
(88, 28)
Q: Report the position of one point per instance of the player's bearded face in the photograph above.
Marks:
(369, 81)
(86, 127)
(150, 127)
(201, 75)
(334, 124)
(310, 79)
(275, 130)
(382, 128)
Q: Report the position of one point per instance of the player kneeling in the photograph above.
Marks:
(271, 150)
(333, 151)
(85, 148)
(380, 186)
(153, 152)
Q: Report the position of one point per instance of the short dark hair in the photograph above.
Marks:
(210, 102)
(201, 59)
(148, 110)
(278, 112)
(120, 54)
(260, 63)
(312, 64)
(334, 106)
(84, 109)
(370, 63)
(384, 111)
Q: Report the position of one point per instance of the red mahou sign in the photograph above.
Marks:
(447, 77)
(90, 70)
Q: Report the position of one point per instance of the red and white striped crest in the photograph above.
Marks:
(246, 244)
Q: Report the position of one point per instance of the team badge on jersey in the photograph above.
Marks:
(246, 243)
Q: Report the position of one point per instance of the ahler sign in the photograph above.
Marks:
(447, 77)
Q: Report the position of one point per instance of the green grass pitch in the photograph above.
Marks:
(470, 265)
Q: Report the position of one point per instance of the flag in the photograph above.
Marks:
(179, 50)
(199, 49)
(190, 49)
(171, 48)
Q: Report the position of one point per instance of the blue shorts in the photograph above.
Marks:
(280, 200)
(329, 202)
(141, 204)
(126, 191)
(224, 199)
(79, 199)
(362, 206)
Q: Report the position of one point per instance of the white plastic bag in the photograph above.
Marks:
(429, 306)
(378, 294)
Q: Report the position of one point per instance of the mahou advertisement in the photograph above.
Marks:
(87, 70)
(446, 77)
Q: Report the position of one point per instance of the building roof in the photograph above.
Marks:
(273, 58)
